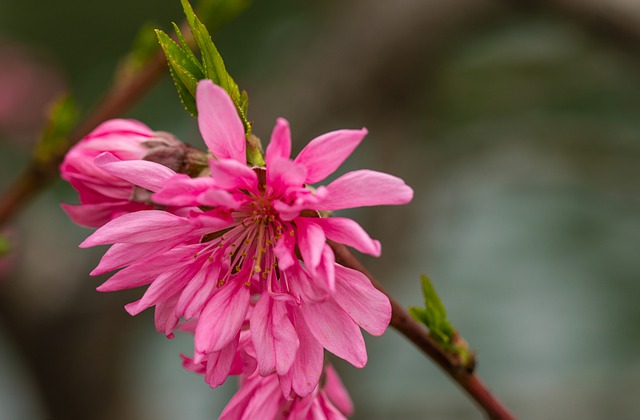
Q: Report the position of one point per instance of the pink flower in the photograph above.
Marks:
(95, 168)
(255, 234)
(104, 196)
(261, 397)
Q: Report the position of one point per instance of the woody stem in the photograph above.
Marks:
(418, 335)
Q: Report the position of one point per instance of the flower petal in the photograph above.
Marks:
(198, 291)
(181, 190)
(165, 317)
(365, 304)
(220, 198)
(348, 232)
(121, 126)
(274, 337)
(146, 174)
(219, 364)
(326, 270)
(139, 227)
(166, 285)
(324, 154)
(285, 248)
(280, 144)
(222, 317)
(336, 391)
(96, 215)
(219, 122)
(365, 188)
(311, 241)
(123, 254)
(307, 368)
(284, 174)
(336, 331)
(230, 175)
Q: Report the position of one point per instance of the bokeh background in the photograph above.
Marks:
(516, 122)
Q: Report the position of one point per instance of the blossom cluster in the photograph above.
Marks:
(238, 254)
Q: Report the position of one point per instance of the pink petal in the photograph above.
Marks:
(143, 272)
(219, 364)
(222, 317)
(307, 368)
(96, 215)
(181, 190)
(348, 232)
(324, 154)
(142, 226)
(198, 291)
(285, 249)
(283, 174)
(336, 391)
(146, 174)
(230, 175)
(311, 241)
(236, 406)
(165, 318)
(121, 126)
(280, 144)
(366, 305)
(257, 398)
(336, 331)
(219, 122)
(365, 188)
(220, 198)
(274, 337)
(129, 278)
(164, 286)
(212, 220)
(123, 254)
(307, 200)
(326, 269)
(323, 408)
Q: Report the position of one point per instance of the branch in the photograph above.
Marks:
(117, 101)
(418, 335)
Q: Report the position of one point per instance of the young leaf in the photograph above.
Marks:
(213, 64)
(434, 317)
(184, 68)
(434, 314)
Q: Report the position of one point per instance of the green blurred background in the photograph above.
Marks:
(517, 126)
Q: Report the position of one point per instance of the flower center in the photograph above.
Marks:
(246, 248)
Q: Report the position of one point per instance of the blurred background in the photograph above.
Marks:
(516, 122)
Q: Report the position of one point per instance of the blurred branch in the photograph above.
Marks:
(463, 374)
(115, 102)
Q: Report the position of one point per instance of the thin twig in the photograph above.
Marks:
(418, 335)
(115, 103)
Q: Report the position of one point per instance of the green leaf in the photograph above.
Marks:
(185, 47)
(184, 68)
(434, 317)
(434, 314)
(187, 70)
(62, 118)
(213, 64)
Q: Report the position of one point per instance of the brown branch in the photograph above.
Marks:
(418, 335)
(116, 102)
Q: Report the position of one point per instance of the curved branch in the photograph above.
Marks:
(116, 102)
(418, 335)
